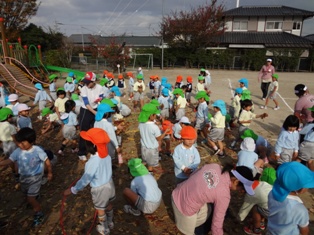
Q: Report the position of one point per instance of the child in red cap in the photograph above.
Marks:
(98, 173)
(179, 83)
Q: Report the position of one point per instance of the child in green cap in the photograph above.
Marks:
(180, 103)
(200, 85)
(52, 86)
(272, 94)
(51, 120)
(144, 194)
(7, 131)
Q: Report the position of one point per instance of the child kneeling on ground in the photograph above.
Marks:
(144, 194)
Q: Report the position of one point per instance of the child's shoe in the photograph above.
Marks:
(276, 108)
(75, 150)
(38, 219)
(255, 231)
(101, 230)
(130, 210)
(82, 158)
(60, 152)
(221, 155)
(263, 107)
(216, 151)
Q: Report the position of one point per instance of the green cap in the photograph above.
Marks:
(275, 75)
(75, 96)
(60, 89)
(140, 77)
(178, 91)
(136, 167)
(202, 94)
(209, 115)
(155, 102)
(52, 77)
(249, 133)
(200, 78)
(109, 102)
(45, 111)
(69, 79)
(4, 113)
(103, 81)
(147, 110)
(269, 175)
(246, 95)
(203, 70)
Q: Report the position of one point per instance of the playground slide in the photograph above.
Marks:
(65, 70)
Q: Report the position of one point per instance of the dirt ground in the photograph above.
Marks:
(78, 214)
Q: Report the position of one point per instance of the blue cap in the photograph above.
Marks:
(291, 176)
(165, 92)
(238, 90)
(114, 101)
(164, 80)
(38, 86)
(245, 82)
(70, 74)
(101, 110)
(115, 90)
(168, 86)
(221, 105)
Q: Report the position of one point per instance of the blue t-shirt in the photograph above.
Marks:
(247, 158)
(30, 162)
(24, 122)
(146, 186)
(286, 217)
(72, 119)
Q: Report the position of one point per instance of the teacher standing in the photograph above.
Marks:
(265, 77)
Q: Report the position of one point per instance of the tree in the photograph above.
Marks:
(193, 29)
(113, 52)
(16, 15)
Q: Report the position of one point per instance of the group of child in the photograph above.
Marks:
(161, 120)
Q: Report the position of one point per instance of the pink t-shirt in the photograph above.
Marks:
(266, 73)
(206, 185)
(303, 103)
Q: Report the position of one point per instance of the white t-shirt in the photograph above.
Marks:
(92, 95)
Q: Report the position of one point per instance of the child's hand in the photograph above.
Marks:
(97, 100)
(187, 171)
(67, 192)
(264, 115)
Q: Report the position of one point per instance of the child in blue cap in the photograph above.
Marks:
(41, 97)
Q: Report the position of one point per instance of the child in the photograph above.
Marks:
(167, 125)
(111, 81)
(121, 84)
(103, 82)
(7, 131)
(287, 145)
(164, 103)
(144, 194)
(184, 121)
(23, 118)
(151, 86)
(274, 87)
(179, 82)
(138, 89)
(180, 103)
(200, 85)
(41, 97)
(217, 131)
(78, 103)
(98, 174)
(131, 84)
(287, 214)
(157, 86)
(13, 99)
(189, 87)
(244, 83)
(51, 120)
(69, 119)
(103, 114)
(235, 107)
(150, 136)
(31, 161)
(164, 81)
(202, 113)
(52, 86)
(185, 156)
(208, 79)
(247, 157)
(69, 86)
(60, 102)
(245, 119)
(257, 204)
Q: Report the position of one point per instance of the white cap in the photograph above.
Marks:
(184, 120)
(248, 144)
(22, 107)
(139, 68)
(269, 60)
(13, 97)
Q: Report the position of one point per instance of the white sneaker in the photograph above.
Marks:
(263, 99)
(129, 209)
(60, 152)
(75, 150)
(263, 107)
(216, 151)
(276, 108)
(82, 158)
(101, 230)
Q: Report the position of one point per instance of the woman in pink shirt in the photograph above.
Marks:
(265, 77)
(211, 184)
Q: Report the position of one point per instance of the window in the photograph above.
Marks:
(296, 25)
(274, 25)
(240, 25)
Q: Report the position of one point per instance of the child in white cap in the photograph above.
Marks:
(23, 119)
(184, 121)
(13, 99)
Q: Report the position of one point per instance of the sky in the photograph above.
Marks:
(132, 17)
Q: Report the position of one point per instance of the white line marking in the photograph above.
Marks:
(285, 102)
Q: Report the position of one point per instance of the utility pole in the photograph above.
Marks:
(162, 36)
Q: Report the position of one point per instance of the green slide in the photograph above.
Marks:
(77, 73)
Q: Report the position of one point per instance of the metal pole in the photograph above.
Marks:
(82, 38)
(162, 36)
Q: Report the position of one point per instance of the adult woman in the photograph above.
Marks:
(265, 77)
(192, 199)
(305, 101)
(91, 94)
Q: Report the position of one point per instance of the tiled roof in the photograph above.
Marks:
(133, 41)
(268, 11)
(310, 37)
(268, 39)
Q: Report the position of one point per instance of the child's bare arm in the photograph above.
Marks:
(49, 169)
(262, 116)
(304, 230)
(47, 128)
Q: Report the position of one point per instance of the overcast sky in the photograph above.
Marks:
(133, 17)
